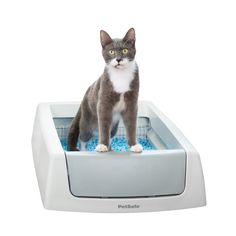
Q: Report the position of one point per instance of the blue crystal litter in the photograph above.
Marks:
(118, 144)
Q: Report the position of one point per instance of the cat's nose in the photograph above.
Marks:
(118, 60)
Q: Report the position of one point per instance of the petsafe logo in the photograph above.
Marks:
(128, 206)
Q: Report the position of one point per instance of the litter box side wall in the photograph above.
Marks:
(49, 160)
(194, 194)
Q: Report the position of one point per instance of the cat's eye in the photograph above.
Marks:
(125, 51)
(112, 52)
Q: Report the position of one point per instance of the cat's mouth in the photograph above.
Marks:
(119, 66)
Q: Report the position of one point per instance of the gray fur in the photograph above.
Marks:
(96, 109)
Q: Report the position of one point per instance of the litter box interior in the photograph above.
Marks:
(145, 136)
(151, 132)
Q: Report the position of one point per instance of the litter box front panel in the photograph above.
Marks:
(117, 175)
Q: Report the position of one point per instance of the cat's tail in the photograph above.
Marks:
(74, 133)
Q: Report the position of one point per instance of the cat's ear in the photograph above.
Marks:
(130, 37)
(105, 38)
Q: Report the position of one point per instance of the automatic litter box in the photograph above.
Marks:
(167, 175)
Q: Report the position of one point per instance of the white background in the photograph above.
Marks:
(186, 51)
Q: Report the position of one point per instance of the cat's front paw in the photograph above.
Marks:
(136, 148)
(101, 148)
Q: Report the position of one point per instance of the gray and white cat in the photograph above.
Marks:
(113, 96)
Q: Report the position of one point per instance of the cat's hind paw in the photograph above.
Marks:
(101, 148)
(136, 148)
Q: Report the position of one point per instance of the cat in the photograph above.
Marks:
(112, 97)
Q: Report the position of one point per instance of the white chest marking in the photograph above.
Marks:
(121, 78)
(118, 108)
(120, 105)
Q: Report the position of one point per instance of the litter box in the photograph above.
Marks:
(167, 175)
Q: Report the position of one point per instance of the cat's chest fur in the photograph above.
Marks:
(121, 78)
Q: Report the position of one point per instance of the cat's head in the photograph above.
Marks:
(118, 53)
